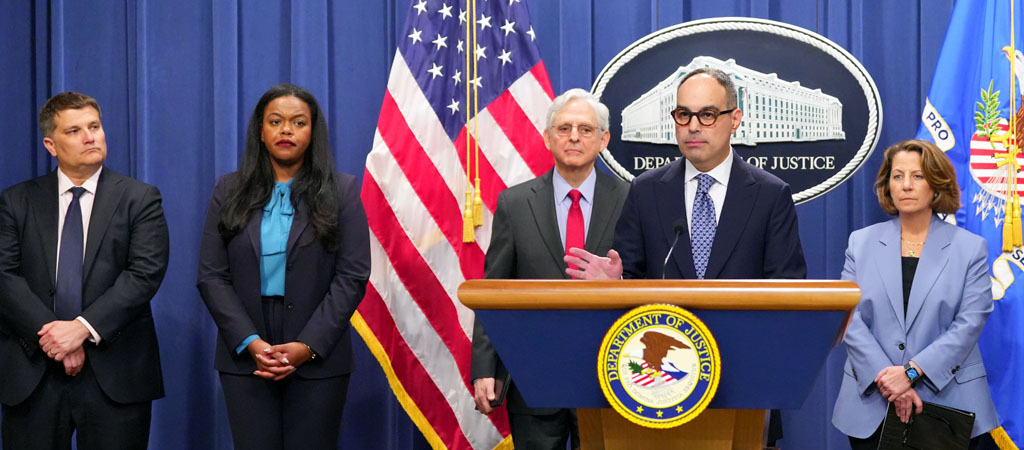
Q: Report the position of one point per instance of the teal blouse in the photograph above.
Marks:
(277, 222)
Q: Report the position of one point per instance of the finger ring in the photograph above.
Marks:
(53, 352)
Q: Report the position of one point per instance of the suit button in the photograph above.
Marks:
(955, 369)
(53, 292)
(902, 346)
(289, 266)
(291, 306)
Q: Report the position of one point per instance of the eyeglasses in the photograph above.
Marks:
(706, 116)
(583, 129)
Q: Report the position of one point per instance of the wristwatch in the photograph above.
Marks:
(911, 373)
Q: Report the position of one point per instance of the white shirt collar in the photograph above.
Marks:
(720, 173)
(64, 183)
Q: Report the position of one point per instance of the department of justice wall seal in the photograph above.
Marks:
(659, 366)
(812, 114)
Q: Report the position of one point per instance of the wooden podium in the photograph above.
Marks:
(773, 336)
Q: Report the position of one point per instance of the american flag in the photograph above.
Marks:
(414, 191)
(983, 163)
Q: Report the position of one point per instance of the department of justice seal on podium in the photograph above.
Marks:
(659, 366)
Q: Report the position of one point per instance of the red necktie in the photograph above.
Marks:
(574, 225)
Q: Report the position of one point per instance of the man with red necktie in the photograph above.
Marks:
(535, 224)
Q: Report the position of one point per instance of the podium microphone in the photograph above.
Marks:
(678, 227)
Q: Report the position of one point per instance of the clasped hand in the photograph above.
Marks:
(277, 362)
(894, 385)
(906, 403)
(62, 340)
(892, 382)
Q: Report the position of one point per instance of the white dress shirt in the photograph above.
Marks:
(717, 190)
(563, 202)
(64, 197)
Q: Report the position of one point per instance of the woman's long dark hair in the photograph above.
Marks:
(314, 182)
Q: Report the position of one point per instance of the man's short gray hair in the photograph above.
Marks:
(722, 78)
(579, 94)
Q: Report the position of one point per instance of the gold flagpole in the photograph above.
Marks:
(1011, 215)
(478, 202)
(1014, 149)
(467, 216)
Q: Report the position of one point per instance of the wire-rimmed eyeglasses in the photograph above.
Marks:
(583, 129)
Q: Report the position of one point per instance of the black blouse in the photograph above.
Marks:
(909, 268)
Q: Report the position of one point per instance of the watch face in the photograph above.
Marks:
(912, 374)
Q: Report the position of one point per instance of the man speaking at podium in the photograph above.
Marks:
(710, 215)
(572, 206)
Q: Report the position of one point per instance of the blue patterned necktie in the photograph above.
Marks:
(68, 303)
(704, 225)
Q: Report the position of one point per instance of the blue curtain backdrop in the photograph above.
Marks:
(177, 81)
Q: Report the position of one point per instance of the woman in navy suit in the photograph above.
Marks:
(925, 296)
(283, 264)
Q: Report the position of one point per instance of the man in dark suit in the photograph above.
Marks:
(82, 251)
(572, 206)
(719, 216)
(726, 218)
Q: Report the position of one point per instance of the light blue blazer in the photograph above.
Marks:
(949, 302)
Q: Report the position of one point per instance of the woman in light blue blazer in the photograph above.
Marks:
(925, 296)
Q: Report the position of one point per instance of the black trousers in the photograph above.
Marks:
(982, 442)
(293, 413)
(62, 405)
(544, 432)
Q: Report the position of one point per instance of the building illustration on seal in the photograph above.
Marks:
(774, 110)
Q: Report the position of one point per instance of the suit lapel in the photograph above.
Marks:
(46, 203)
(299, 223)
(739, 201)
(671, 206)
(601, 214)
(542, 206)
(109, 190)
(890, 268)
(934, 257)
(252, 229)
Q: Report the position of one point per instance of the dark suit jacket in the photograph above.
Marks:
(323, 287)
(125, 260)
(757, 234)
(525, 244)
